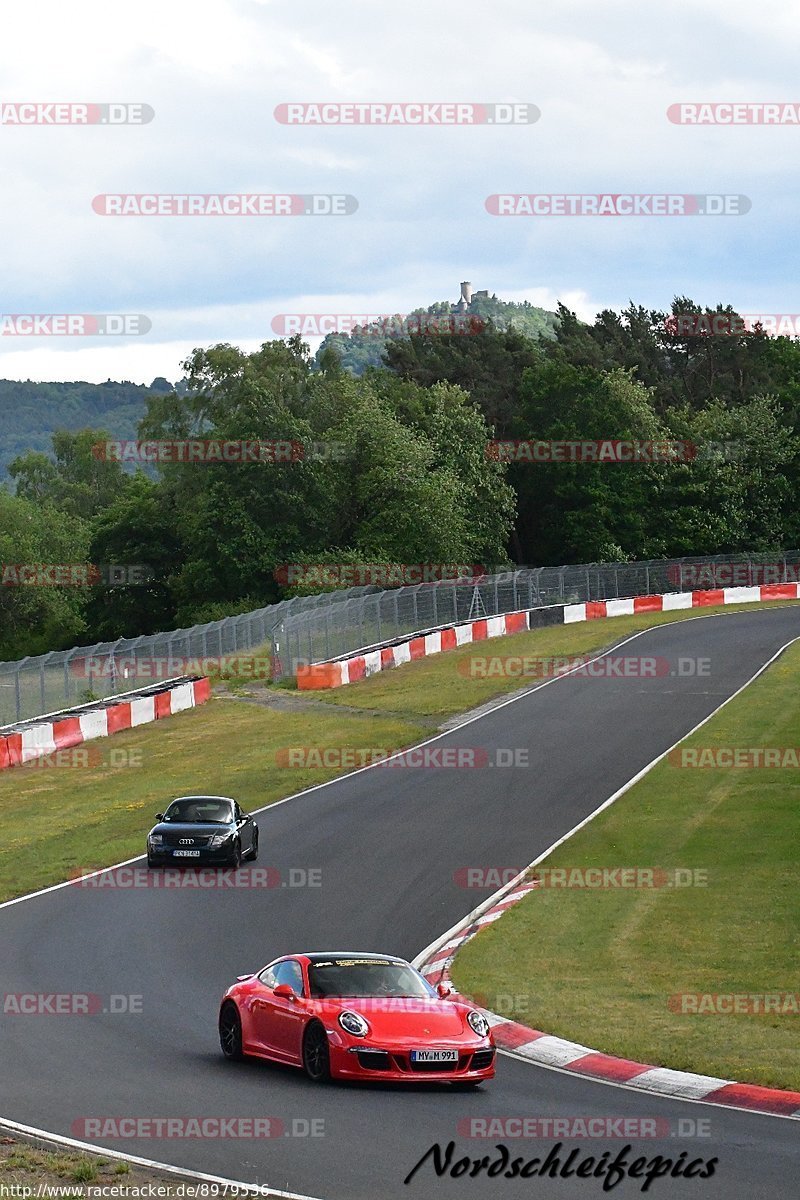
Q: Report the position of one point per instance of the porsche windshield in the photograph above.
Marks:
(365, 977)
(199, 812)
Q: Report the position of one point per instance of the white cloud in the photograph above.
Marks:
(214, 70)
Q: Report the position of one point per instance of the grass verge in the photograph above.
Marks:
(24, 1165)
(604, 967)
(58, 820)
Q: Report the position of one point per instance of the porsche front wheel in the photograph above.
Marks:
(230, 1032)
(316, 1054)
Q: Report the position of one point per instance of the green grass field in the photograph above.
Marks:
(599, 966)
(56, 819)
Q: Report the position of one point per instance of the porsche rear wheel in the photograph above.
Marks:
(316, 1054)
(230, 1032)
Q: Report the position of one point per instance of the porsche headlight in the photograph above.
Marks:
(478, 1023)
(353, 1023)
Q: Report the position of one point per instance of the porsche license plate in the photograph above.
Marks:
(186, 853)
(422, 1056)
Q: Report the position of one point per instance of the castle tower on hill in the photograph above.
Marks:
(467, 296)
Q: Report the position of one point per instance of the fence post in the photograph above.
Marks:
(17, 688)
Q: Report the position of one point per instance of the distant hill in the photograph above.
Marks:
(31, 412)
(358, 351)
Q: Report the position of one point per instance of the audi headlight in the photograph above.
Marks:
(353, 1023)
(219, 839)
(156, 839)
(478, 1023)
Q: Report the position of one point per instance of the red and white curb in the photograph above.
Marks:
(549, 1051)
(337, 673)
(37, 739)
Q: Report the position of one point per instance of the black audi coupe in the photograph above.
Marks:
(209, 830)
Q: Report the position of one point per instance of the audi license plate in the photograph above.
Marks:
(422, 1056)
(186, 853)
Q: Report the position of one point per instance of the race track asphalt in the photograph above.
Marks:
(388, 843)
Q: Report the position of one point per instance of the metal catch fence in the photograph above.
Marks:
(362, 622)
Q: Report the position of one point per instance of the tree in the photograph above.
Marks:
(37, 615)
(79, 479)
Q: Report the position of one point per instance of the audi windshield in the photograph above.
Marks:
(198, 812)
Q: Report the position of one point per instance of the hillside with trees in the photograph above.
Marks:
(414, 478)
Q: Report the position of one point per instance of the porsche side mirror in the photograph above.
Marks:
(284, 992)
(443, 991)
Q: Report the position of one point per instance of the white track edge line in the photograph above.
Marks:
(55, 887)
(617, 1083)
(261, 1189)
(440, 942)
(294, 1196)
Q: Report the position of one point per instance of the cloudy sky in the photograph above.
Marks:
(213, 71)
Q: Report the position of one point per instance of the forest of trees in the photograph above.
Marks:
(30, 413)
(412, 480)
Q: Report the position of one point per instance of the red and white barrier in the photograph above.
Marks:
(47, 737)
(361, 666)
(547, 1050)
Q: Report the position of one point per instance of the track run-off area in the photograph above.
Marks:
(387, 848)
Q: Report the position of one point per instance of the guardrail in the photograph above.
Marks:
(63, 678)
(364, 623)
(47, 737)
(313, 629)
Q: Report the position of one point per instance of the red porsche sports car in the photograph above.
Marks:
(355, 1016)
